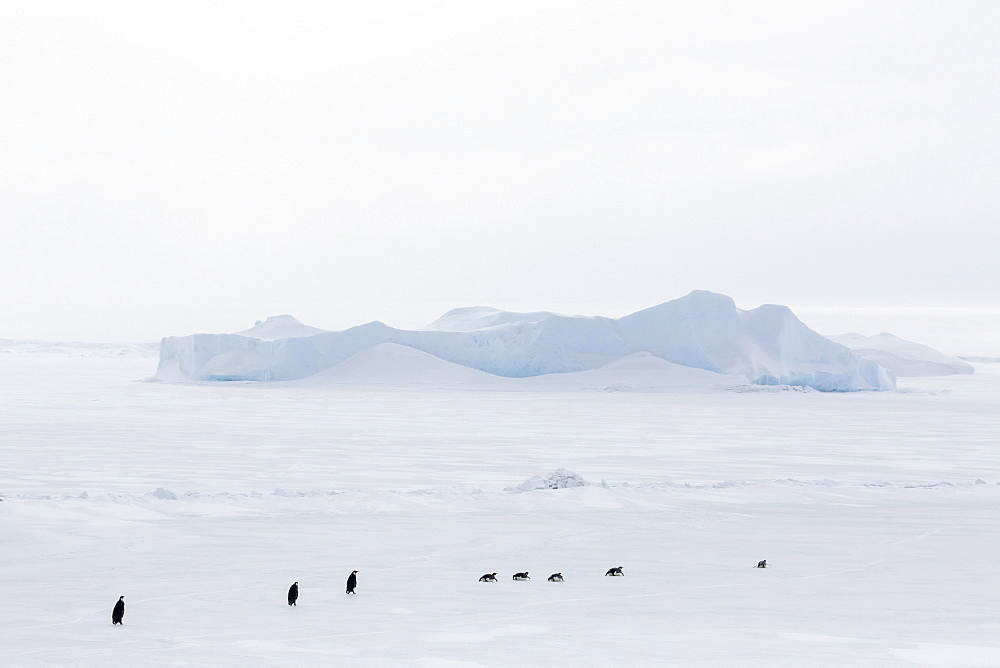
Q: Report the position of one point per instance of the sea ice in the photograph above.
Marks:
(876, 511)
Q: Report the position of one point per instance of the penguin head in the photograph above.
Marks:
(354, 572)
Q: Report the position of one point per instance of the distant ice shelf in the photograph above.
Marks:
(902, 357)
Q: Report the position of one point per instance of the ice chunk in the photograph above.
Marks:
(558, 479)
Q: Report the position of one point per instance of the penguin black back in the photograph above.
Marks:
(488, 577)
(118, 612)
(556, 577)
(762, 563)
(352, 582)
(293, 593)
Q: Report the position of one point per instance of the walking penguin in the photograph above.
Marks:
(614, 571)
(352, 582)
(118, 612)
(556, 577)
(293, 593)
(489, 577)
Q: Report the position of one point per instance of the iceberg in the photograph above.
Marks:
(703, 330)
(902, 357)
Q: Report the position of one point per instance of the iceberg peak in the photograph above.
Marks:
(280, 327)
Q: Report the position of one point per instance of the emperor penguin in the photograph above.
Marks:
(352, 582)
(118, 612)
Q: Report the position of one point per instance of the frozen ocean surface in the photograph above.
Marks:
(876, 512)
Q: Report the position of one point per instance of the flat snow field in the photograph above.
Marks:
(878, 513)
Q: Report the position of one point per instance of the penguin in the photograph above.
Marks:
(489, 577)
(293, 593)
(118, 612)
(352, 582)
(521, 576)
(614, 571)
(762, 563)
(556, 577)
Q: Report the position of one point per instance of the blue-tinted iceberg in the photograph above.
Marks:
(767, 345)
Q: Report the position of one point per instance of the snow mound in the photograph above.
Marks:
(902, 357)
(558, 479)
(638, 372)
(395, 365)
(398, 365)
(706, 331)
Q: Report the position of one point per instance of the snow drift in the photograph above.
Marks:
(902, 357)
(703, 330)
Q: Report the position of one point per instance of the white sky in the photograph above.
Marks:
(169, 167)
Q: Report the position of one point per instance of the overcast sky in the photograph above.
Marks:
(175, 167)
